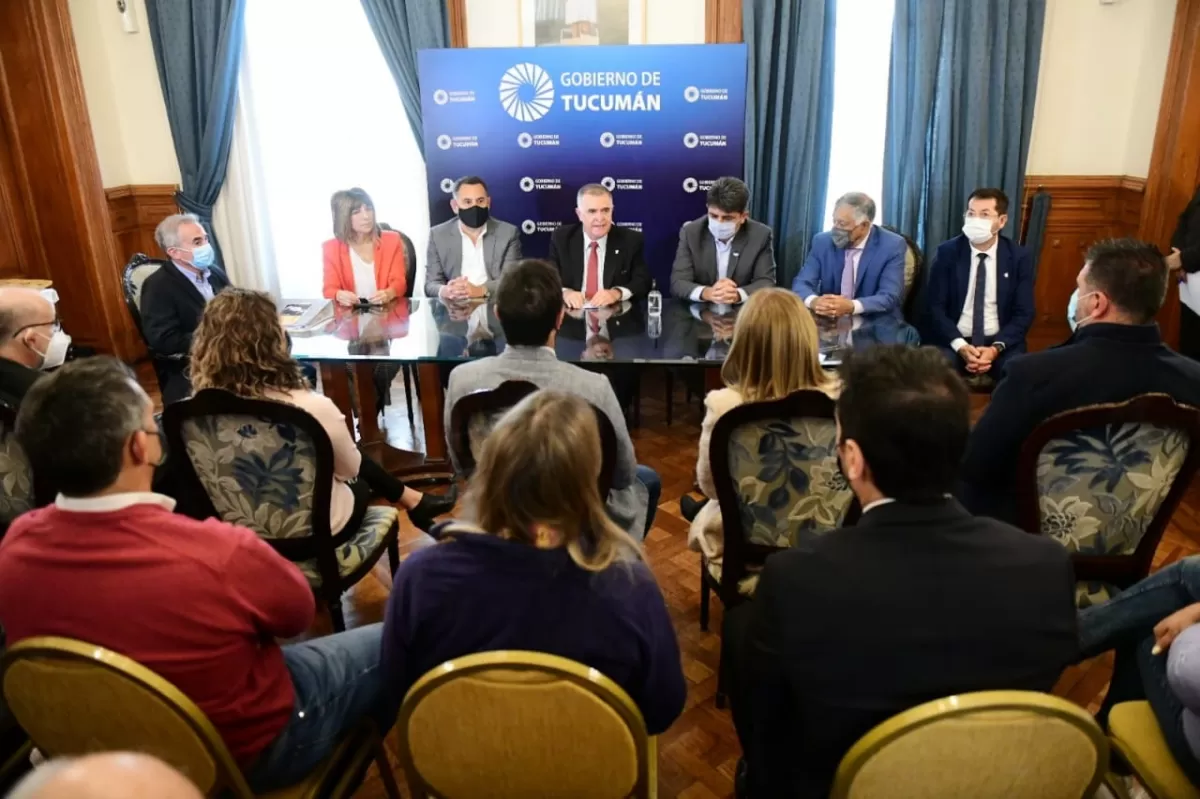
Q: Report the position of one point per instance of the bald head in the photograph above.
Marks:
(26, 319)
(111, 775)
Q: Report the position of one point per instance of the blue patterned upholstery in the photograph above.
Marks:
(370, 537)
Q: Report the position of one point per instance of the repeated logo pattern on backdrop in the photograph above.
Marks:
(654, 124)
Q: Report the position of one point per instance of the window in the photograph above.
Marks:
(862, 62)
(323, 114)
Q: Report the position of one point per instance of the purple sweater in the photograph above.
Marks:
(478, 593)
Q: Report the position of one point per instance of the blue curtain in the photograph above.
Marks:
(197, 45)
(789, 119)
(402, 27)
(960, 109)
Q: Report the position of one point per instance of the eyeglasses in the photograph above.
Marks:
(55, 327)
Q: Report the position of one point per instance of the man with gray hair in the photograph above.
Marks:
(724, 256)
(31, 339)
(856, 268)
(600, 264)
(173, 299)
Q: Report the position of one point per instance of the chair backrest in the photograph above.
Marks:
(261, 464)
(137, 270)
(74, 698)
(16, 477)
(410, 258)
(1105, 480)
(775, 467)
(914, 268)
(540, 725)
(988, 745)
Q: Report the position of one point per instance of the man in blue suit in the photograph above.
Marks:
(855, 268)
(980, 299)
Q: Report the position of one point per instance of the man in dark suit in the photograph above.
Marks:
(855, 268)
(1115, 354)
(724, 256)
(31, 340)
(600, 264)
(174, 297)
(914, 603)
(980, 298)
(1185, 256)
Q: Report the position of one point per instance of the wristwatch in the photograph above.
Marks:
(999, 345)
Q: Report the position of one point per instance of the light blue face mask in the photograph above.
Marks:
(203, 256)
(722, 230)
(1072, 307)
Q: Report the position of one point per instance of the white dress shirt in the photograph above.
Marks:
(112, 502)
(861, 247)
(364, 275)
(473, 267)
(991, 314)
(724, 250)
(601, 243)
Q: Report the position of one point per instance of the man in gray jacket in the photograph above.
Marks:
(467, 253)
(529, 306)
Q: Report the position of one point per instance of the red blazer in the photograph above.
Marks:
(389, 265)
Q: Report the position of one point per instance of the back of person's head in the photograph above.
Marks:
(78, 424)
(903, 420)
(240, 347)
(775, 348)
(538, 470)
(1127, 279)
(343, 204)
(529, 302)
(106, 775)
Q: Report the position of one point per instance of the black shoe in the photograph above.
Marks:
(689, 506)
(431, 506)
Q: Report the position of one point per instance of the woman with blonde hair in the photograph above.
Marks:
(540, 567)
(361, 260)
(775, 351)
(240, 347)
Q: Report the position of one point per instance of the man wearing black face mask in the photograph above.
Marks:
(467, 254)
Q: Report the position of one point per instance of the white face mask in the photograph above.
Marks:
(1076, 298)
(56, 351)
(977, 230)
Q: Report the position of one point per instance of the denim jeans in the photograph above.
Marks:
(1126, 623)
(337, 683)
(653, 483)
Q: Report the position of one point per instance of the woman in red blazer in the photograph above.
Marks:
(361, 260)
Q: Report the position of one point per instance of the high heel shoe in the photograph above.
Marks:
(431, 506)
(689, 507)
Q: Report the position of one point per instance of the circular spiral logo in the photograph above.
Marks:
(608, 183)
(441, 97)
(690, 185)
(528, 227)
(607, 139)
(690, 140)
(526, 184)
(525, 140)
(691, 94)
(526, 92)
(443, 142)
(447, 185)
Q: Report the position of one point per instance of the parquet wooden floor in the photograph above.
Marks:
(698, 754)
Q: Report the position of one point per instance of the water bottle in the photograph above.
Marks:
(654, 300)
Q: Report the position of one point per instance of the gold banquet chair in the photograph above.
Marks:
(1138, 741)
(987, 745)
(73, 698)
(511, 724)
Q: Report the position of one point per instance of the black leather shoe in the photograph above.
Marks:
(432, 506)
(689, 506)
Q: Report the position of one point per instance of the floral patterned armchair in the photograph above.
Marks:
(16, 478)
(269, 466)
(1104, 482)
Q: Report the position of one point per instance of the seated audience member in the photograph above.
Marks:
(174, 297)
(539, 567)
(530, 309)
(980, 297)
(241, 348)
(31, 340)
(107, 775)
(362, 261)
(599, 264)
(1115, 354)
(199, 603)
(913, 603)
(775, 352)
(467, 253)
(725, 255)
(1184, 260)
(1152, 627)
(856, 268)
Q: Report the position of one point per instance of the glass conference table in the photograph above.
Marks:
(432, 336)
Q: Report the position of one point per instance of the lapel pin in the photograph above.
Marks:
(735, 255)
(1006, 275)
(618, 252)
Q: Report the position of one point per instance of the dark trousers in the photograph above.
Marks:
(998, 365)
(1189, 332)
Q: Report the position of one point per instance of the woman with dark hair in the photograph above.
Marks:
(361, 260)
(240, 347)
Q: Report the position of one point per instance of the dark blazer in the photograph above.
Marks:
(1187, 235)
(15, 380)
(950, 276)
(171, 308)
(624, 261)
(880, 281)
(1101, 363)
(915, 603)
(751, 260)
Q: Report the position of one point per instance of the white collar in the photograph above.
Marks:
(112, 502)
(877, 503)
(463, 231)
(602, 241)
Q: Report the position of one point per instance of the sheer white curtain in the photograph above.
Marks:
(317, 112)
(862, 61)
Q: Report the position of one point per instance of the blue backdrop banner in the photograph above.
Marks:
(655, 124)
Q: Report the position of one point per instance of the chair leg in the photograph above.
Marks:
(336, 616)
(705, 595)
(394, 554)
(408, 393)
(385, 772)
(722, 698)
(670, 396)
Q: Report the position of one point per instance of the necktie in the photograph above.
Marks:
(593, 272)
(978, 337)
(848, 273)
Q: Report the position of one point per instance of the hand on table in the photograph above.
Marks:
(605, 297)
(724, 291)
(573, 299)
(462, 289)
(346, 298)
(1167, 630)
(382, 297)
(834, 305)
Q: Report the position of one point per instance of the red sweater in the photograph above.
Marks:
(199, 603)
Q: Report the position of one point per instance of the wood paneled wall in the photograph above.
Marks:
(134, 212)
(723, 21)
(1083, 209)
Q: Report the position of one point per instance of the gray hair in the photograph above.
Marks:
(864, 206)
(167, 232)
(591, 188)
